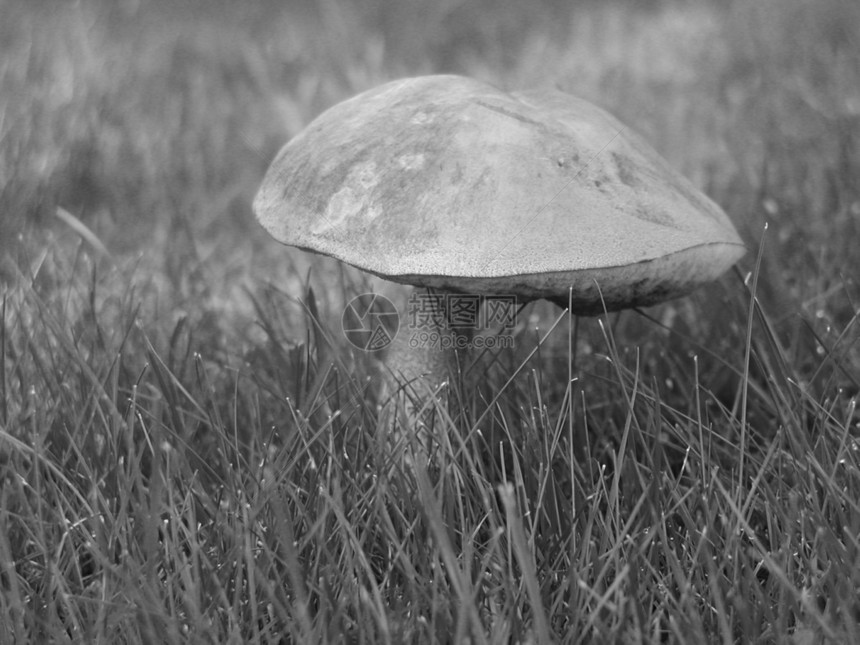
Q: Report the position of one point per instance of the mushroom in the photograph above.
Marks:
(451, 184)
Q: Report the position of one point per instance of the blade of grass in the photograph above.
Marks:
(525, 557)
(83, 231)
(746, 377)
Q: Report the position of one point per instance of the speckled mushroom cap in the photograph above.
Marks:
(451, 183)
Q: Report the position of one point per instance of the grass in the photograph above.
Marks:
(190, 451)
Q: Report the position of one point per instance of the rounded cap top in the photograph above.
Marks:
(448, 182)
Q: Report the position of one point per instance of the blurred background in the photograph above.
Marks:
(151, 123)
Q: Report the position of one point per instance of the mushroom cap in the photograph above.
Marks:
(450, 183)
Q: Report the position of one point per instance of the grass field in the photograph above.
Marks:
(191, 452)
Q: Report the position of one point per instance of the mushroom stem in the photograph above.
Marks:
(428, 350)
(426, 356)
